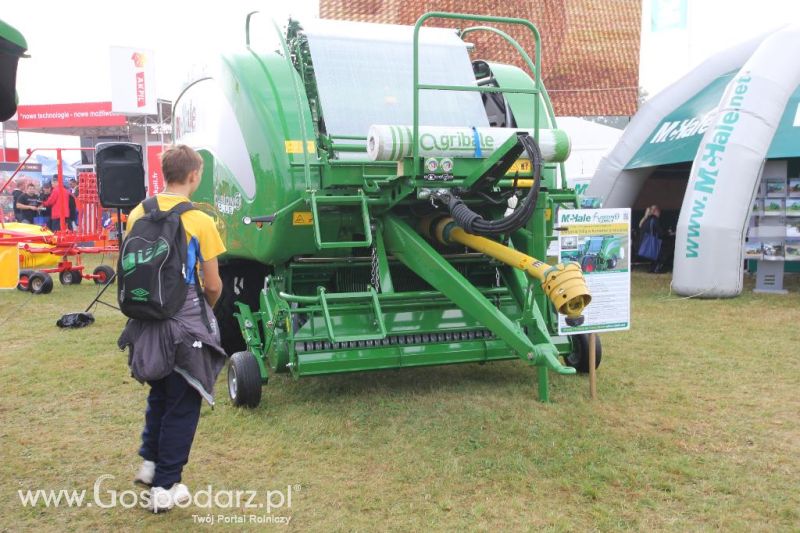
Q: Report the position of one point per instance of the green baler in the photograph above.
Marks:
(383, 199)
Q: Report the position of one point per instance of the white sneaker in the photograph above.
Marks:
(162, 499)
(145, 474)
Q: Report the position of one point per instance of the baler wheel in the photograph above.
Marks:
(244, 380)
(579, 358)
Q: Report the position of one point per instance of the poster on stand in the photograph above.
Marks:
(793, 207)
(794, 186)
(773, 250)
(792, 250)
(599, 241)
(753, 250)
(774, 207)
(775, 187)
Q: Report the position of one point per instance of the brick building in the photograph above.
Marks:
(590, 48)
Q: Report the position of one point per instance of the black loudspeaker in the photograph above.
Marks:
(120, 174)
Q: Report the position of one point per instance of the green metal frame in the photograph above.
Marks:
(471, 88)
(360, 199)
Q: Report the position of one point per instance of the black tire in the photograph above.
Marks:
(589, 263)
(612, 263)
(24, 277)
(70, 277)
(241, 281)
(579, 358)
(104, 273)
(244, 380)
(40, 283)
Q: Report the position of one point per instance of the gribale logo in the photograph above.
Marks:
(140, 257)
(455, 141)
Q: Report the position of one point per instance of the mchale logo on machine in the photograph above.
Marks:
(139, 60)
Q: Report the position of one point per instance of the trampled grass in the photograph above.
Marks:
(697, 427)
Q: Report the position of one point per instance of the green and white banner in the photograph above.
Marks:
(677, 137)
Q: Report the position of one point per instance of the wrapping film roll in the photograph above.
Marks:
(393, 143)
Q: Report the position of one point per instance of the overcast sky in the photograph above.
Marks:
(69, 43)
(711, 26)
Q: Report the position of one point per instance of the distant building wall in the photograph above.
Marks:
(590, 48)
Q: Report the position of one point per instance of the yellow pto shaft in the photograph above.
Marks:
(563, 283)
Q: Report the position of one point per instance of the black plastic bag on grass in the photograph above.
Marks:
(75, 320)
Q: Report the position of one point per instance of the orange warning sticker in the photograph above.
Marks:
(296, 147)
(523, 166)
(302, 218)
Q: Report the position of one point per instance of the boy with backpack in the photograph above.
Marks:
(172, 336)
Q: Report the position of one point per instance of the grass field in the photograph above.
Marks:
(697, 427)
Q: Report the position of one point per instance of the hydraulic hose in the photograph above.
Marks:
(475, 224)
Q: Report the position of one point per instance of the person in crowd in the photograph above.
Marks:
(15, 194)
(639, 230)
(173, 405)
(47, 190)
(27, 204)
(73, 187)
(59, 204)
(73, 212)
(651, 223)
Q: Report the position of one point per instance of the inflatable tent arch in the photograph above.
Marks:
(726, 167)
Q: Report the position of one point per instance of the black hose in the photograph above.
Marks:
(475, 224)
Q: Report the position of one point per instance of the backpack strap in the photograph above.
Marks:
(150, 204)
(180, 209)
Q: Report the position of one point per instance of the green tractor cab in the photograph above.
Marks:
(600, 253)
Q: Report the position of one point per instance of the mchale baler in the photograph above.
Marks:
(383, 200)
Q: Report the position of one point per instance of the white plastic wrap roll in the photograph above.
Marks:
(393, 143)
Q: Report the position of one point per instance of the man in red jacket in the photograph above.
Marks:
(59, 204)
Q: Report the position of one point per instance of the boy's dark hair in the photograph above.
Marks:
(178, 161)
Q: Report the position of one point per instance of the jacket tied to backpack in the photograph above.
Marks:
(181, 343)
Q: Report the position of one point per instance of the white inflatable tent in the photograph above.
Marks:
(727, 136)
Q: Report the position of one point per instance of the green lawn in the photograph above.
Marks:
(697, 427)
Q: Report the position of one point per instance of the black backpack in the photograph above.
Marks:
(152, 264)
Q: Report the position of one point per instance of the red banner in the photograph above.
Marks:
(89, 114)
(9, 154)
(155, 179)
